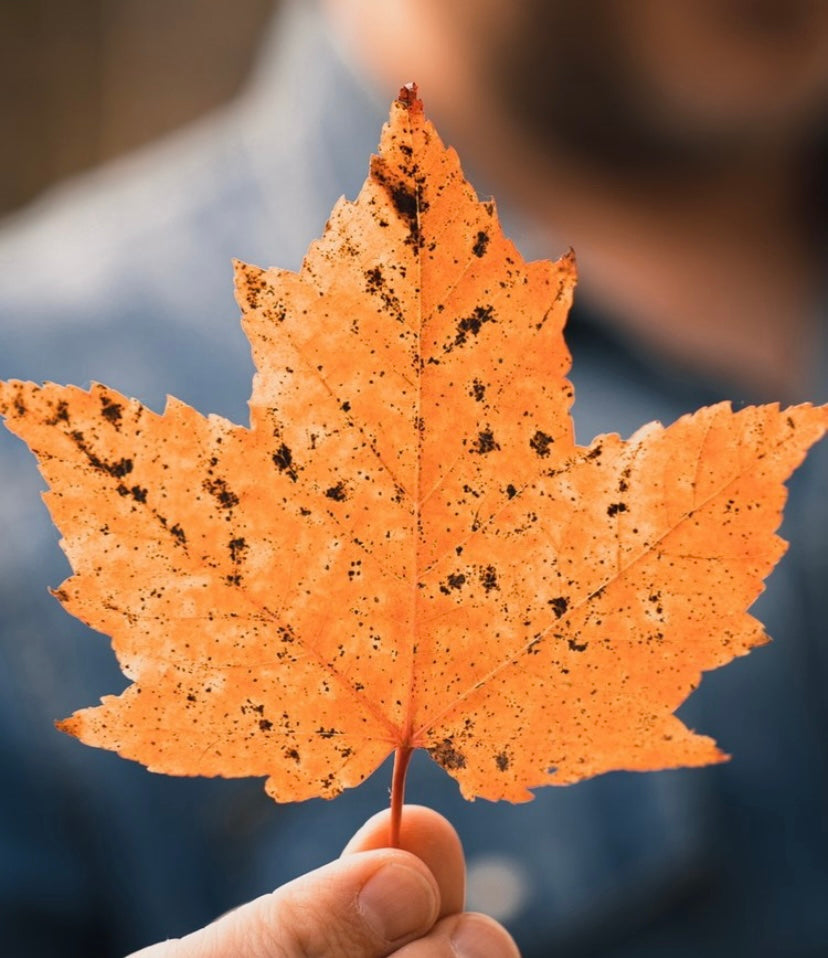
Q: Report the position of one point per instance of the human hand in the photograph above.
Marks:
(370, 903)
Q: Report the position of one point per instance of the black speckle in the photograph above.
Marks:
(237, 548)
(405, 201)
(502, 761)
(481, 243)
(616, 507)
(559, 605)
(485, 443)
(478, 390)
(327, 732)
(455, 581)
(488, 578)
(541, 442)
(265, 724)
(623, 485)
(373, 280)
(224, 495)
(446, 755)
(511, 492)
(575, 646)
(61, 412)
(117, 469)
(178, 532)
(337, 492)
(283, 459)
(471, 324)
(138, 494)
(111, 411)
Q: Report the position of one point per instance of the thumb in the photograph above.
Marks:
(430, 837)
(364, 905)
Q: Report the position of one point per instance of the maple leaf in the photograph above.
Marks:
(406, 548)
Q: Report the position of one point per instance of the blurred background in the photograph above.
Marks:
(86, 80)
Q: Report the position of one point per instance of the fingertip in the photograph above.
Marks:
(419, 825)
(479, 936)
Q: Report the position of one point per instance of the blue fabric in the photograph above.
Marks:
(125, 278)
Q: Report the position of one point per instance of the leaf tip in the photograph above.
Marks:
(409, 98)
(67, 725)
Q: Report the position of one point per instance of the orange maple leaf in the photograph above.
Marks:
(406, 548)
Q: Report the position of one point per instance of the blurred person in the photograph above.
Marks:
(678, 148)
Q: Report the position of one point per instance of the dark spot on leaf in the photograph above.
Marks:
(265, 724)
(373, 280)
(471, 324)
(541, 442)
(623, 485)
(559, 605)
(616, 507)
(178, 532)
(61, 413)
(575, 646)
(511, 492)
(485, 443)
(337, 492)
(237, 548)
(478, 390)
(224, 495)
(488, 578)
(502, 761)
(111, 411)
(283, 459)
(455, 581)
(446, 755)
(481, 243)
(327, 732)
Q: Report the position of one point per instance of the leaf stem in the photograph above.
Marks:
(402, 756)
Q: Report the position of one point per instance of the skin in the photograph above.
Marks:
(372, 902)
(670, 144)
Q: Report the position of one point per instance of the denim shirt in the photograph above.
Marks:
(124, 277)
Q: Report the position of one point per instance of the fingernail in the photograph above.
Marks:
(477, 936)
(397, 901)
